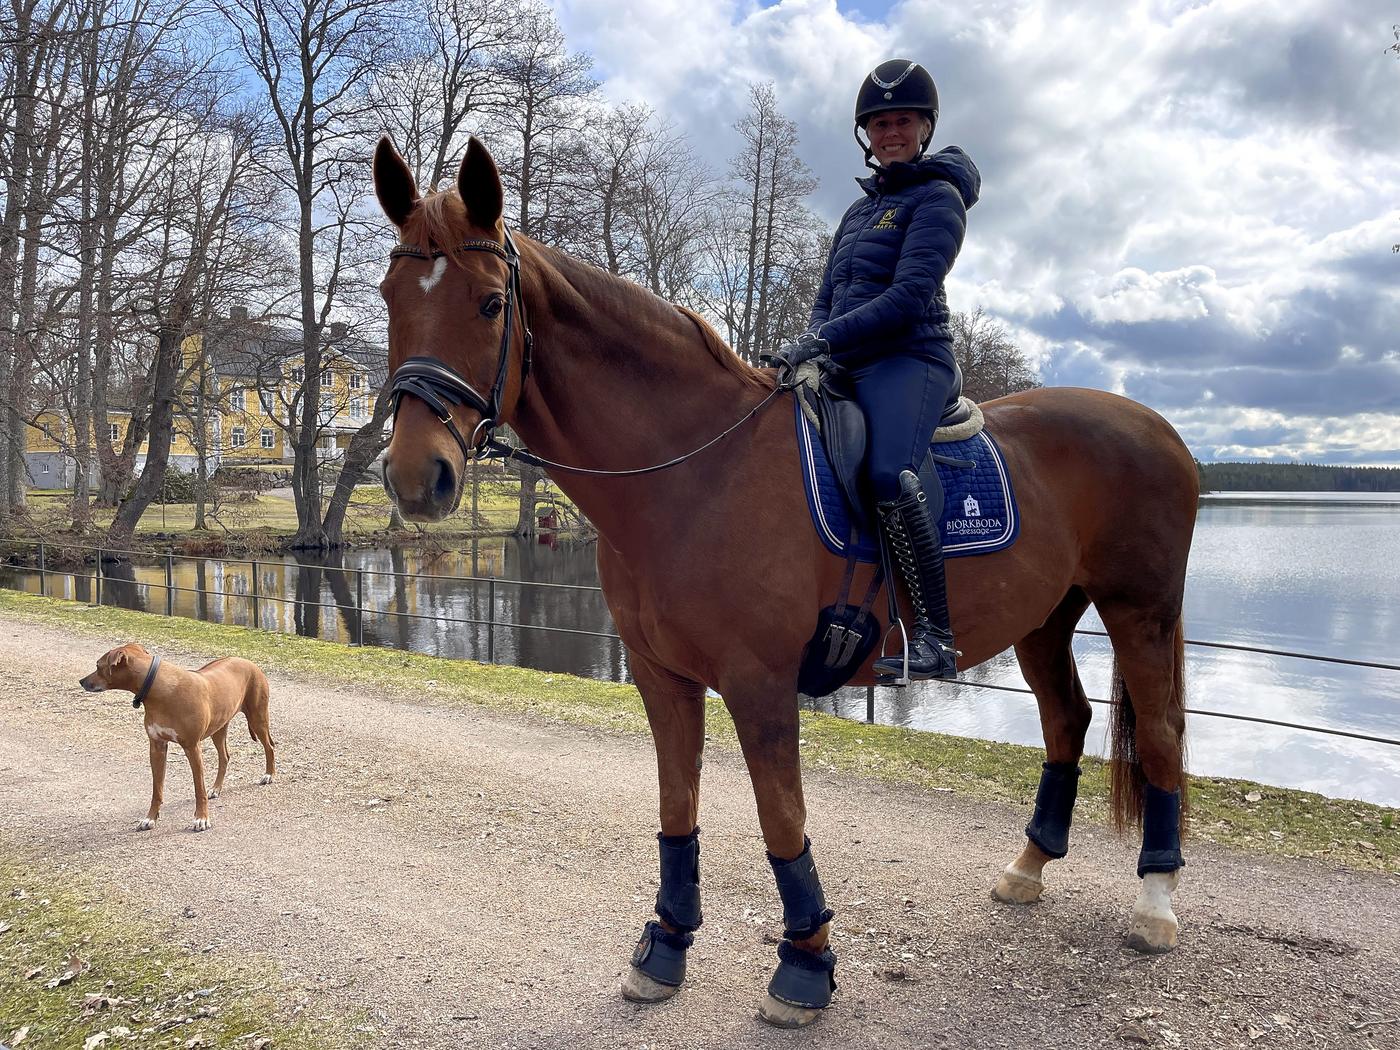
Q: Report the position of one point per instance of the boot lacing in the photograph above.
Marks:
(908, 568)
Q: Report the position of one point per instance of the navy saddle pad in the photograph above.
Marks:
(979, 507)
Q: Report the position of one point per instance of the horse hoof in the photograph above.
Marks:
(1154, 927)
(1015, 888)
(637, 987)
(266, 779)
(785, 1015)
(1152, 936)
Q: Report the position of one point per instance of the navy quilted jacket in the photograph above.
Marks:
(882, 292)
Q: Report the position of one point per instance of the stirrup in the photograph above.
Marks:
(902, 679)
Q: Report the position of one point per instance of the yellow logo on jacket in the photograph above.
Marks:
(887, 220)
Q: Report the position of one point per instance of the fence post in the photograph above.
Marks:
(257, 620)
(43, 581)
(491, 620)
(360, 607)
(97, 579)
(870, 704)
(170, 585)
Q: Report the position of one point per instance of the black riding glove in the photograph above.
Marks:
(810, 345)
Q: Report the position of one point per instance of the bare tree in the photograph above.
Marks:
(992, 364)
(34, 171)
(444, 71)
(315, 61)
(202, 202)
(774, 183)
(545, 83)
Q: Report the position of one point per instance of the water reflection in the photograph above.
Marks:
(1320, 579)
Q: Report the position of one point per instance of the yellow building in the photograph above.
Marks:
(239, 404)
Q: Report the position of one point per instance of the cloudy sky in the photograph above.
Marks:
(1191, 202)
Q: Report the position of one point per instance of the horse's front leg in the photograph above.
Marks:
(675, 708)
(767, 724)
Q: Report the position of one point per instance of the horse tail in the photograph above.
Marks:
(1126, 780)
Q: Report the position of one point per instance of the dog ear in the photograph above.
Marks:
(119, 658)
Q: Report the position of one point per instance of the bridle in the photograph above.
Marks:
(440, 386)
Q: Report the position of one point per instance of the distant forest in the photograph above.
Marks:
(1295, 477)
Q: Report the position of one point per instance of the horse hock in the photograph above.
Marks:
(805, 978)
(658, 963)
(1154, 927)
(1047, 834)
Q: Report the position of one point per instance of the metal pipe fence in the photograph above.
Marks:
(491, 623)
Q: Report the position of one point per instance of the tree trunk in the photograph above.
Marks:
(167, 374)
(365, 446)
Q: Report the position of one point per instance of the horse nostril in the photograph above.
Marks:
(446, 484)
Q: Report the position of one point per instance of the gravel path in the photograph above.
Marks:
(474, 879)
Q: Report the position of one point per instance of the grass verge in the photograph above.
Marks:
(1238, 813)
(79, 972)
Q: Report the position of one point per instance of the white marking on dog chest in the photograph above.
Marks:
(159, 733)
(429, 282)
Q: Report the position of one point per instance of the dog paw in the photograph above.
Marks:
(266, 779)
(203, 824)
(212, 794)
(145, 824)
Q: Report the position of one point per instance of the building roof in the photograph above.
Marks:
(261, 352)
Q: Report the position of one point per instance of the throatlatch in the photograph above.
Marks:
(1161, 831)
(803, 978)
(1054, 808)
(660, 954)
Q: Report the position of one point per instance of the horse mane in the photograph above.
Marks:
(439, 222)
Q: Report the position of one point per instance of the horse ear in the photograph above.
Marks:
(479, 183)
(393, 182)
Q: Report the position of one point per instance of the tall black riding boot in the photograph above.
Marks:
(911, 531)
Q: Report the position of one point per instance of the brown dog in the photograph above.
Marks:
(185, 707)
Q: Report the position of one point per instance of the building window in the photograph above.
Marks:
(268, 400)
(328, 405)
(357, 408)
(113, 434)
(239, 437)
(357, 381)
(267, 441)
(45, 470)
(298, 375)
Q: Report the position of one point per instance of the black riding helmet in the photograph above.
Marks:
(896, 84)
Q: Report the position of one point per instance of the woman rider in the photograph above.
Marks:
(882, 315)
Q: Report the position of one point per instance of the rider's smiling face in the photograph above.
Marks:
(895, 135)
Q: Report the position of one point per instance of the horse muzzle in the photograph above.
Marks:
(429, 492)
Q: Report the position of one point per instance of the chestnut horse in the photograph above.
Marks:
(715, 575)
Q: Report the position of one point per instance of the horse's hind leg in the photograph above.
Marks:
(1149, 779)
(765, 717)
(1047, 662)
(676, 711)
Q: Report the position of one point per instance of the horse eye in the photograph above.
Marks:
(492, 306)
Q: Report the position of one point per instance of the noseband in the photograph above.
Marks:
(438, 385)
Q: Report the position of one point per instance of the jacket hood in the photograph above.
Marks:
(950, 164)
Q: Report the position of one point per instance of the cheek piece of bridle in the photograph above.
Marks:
(440, 387)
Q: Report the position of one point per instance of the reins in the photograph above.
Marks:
(440, 386)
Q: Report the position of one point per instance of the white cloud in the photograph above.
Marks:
(1172, 185)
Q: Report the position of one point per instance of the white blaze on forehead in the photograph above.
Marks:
(429, 282)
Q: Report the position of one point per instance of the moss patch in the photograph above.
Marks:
(1231, 812)
(73, 966)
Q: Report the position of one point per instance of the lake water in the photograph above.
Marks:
(1312, 573)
